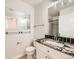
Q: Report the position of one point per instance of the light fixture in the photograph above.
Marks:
(53, 0)
(55, 5)
(70, 1)
(61, 1)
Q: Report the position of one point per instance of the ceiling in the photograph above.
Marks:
(11, 7)
(33, 2)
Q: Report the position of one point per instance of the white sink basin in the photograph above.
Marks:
(53, 43)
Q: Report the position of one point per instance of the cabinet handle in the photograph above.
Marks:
(47, 51)
(19, 43)
(49, 58)
(6, 32)
(46, 56)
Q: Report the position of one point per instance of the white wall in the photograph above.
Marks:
(66, 22)
(39, 30)
(41, 17)
(11, 40)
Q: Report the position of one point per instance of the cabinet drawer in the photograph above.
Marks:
(58, 54)
(42, 55)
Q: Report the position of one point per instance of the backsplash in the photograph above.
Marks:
(61, 39)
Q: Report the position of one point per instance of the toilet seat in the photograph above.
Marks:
(29, 49)
(30, 52)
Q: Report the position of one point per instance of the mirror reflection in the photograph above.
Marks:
(61, 20)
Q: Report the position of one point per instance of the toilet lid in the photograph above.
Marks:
(30, 48)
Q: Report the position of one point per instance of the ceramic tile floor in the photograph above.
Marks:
(25, 57)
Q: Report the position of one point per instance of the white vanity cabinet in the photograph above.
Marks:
(42, 52)
(45, 52)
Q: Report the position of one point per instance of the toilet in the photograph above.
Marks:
(30, 52)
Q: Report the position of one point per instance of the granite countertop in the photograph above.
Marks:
(64, 48)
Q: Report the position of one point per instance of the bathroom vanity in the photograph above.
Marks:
(47, 50)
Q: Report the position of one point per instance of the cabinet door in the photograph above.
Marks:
(41, 55)
(51, 57)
